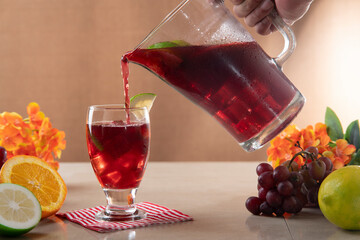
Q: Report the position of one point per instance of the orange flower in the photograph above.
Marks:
(33, 136)
(282, 148)
(12, 130)
(340, 155)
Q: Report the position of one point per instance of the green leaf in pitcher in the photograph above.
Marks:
(334, 128)
(169, 44)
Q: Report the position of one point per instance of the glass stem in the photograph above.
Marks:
(120, 201)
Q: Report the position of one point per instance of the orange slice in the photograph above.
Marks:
(39, 177)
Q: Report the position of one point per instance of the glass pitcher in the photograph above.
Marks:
(204, 52)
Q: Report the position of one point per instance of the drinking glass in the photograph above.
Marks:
(118, 140)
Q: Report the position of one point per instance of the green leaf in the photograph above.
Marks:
(332, 144)
(355, 160)
(352, 134)
(334, 128)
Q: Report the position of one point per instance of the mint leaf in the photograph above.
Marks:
(355, 160)
(352, 134)
(334, 128)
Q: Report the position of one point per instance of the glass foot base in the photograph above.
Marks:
(137, 215)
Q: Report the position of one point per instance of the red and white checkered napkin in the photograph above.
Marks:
(156, 214)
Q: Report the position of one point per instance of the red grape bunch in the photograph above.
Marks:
(288, 188)
(279, 191)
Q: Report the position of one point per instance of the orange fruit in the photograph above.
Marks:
(39, 177)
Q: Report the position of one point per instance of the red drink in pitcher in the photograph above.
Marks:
(118, 152)
(237, 83)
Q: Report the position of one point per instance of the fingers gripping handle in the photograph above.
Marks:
(288, 35)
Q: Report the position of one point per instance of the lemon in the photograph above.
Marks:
(339, 197)
(20, 211)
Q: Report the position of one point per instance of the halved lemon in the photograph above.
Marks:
(20, 211)
(39, 177)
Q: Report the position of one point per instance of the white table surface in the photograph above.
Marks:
(213, 193)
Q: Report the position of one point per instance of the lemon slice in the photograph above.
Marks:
(169, 44)
(20, 211)
(143, 100)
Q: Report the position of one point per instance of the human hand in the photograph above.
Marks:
(255, 12)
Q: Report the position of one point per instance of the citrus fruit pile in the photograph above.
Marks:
(40, 184)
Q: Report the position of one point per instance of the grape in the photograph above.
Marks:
(291, 205)
(285, 188)
(281, 173)
(266, 209)
(253, 205)
(279, 212)
(312, 150)
(296, 179)
(3, 154)
(262, 193)
(273, 198)
(263, 167)
(309, 182)
(328, 163)
(317, 170)
(327, 173)
(293, 167)
(303, 189)
(302, 198)
(312, 195)
(298, 206)
(266, 180)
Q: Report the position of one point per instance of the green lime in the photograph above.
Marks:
(339, 197)
(143, 100)
(20, 211)
(169, 44)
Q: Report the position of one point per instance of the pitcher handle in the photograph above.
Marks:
(288, 35)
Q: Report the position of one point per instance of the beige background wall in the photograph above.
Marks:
(65, 55)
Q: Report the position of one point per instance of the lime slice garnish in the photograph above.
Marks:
(169, 44)
(96, 142)
(143, 100)
(20, 211)
(181, 43)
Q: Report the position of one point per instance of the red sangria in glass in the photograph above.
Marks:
(118, 140)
